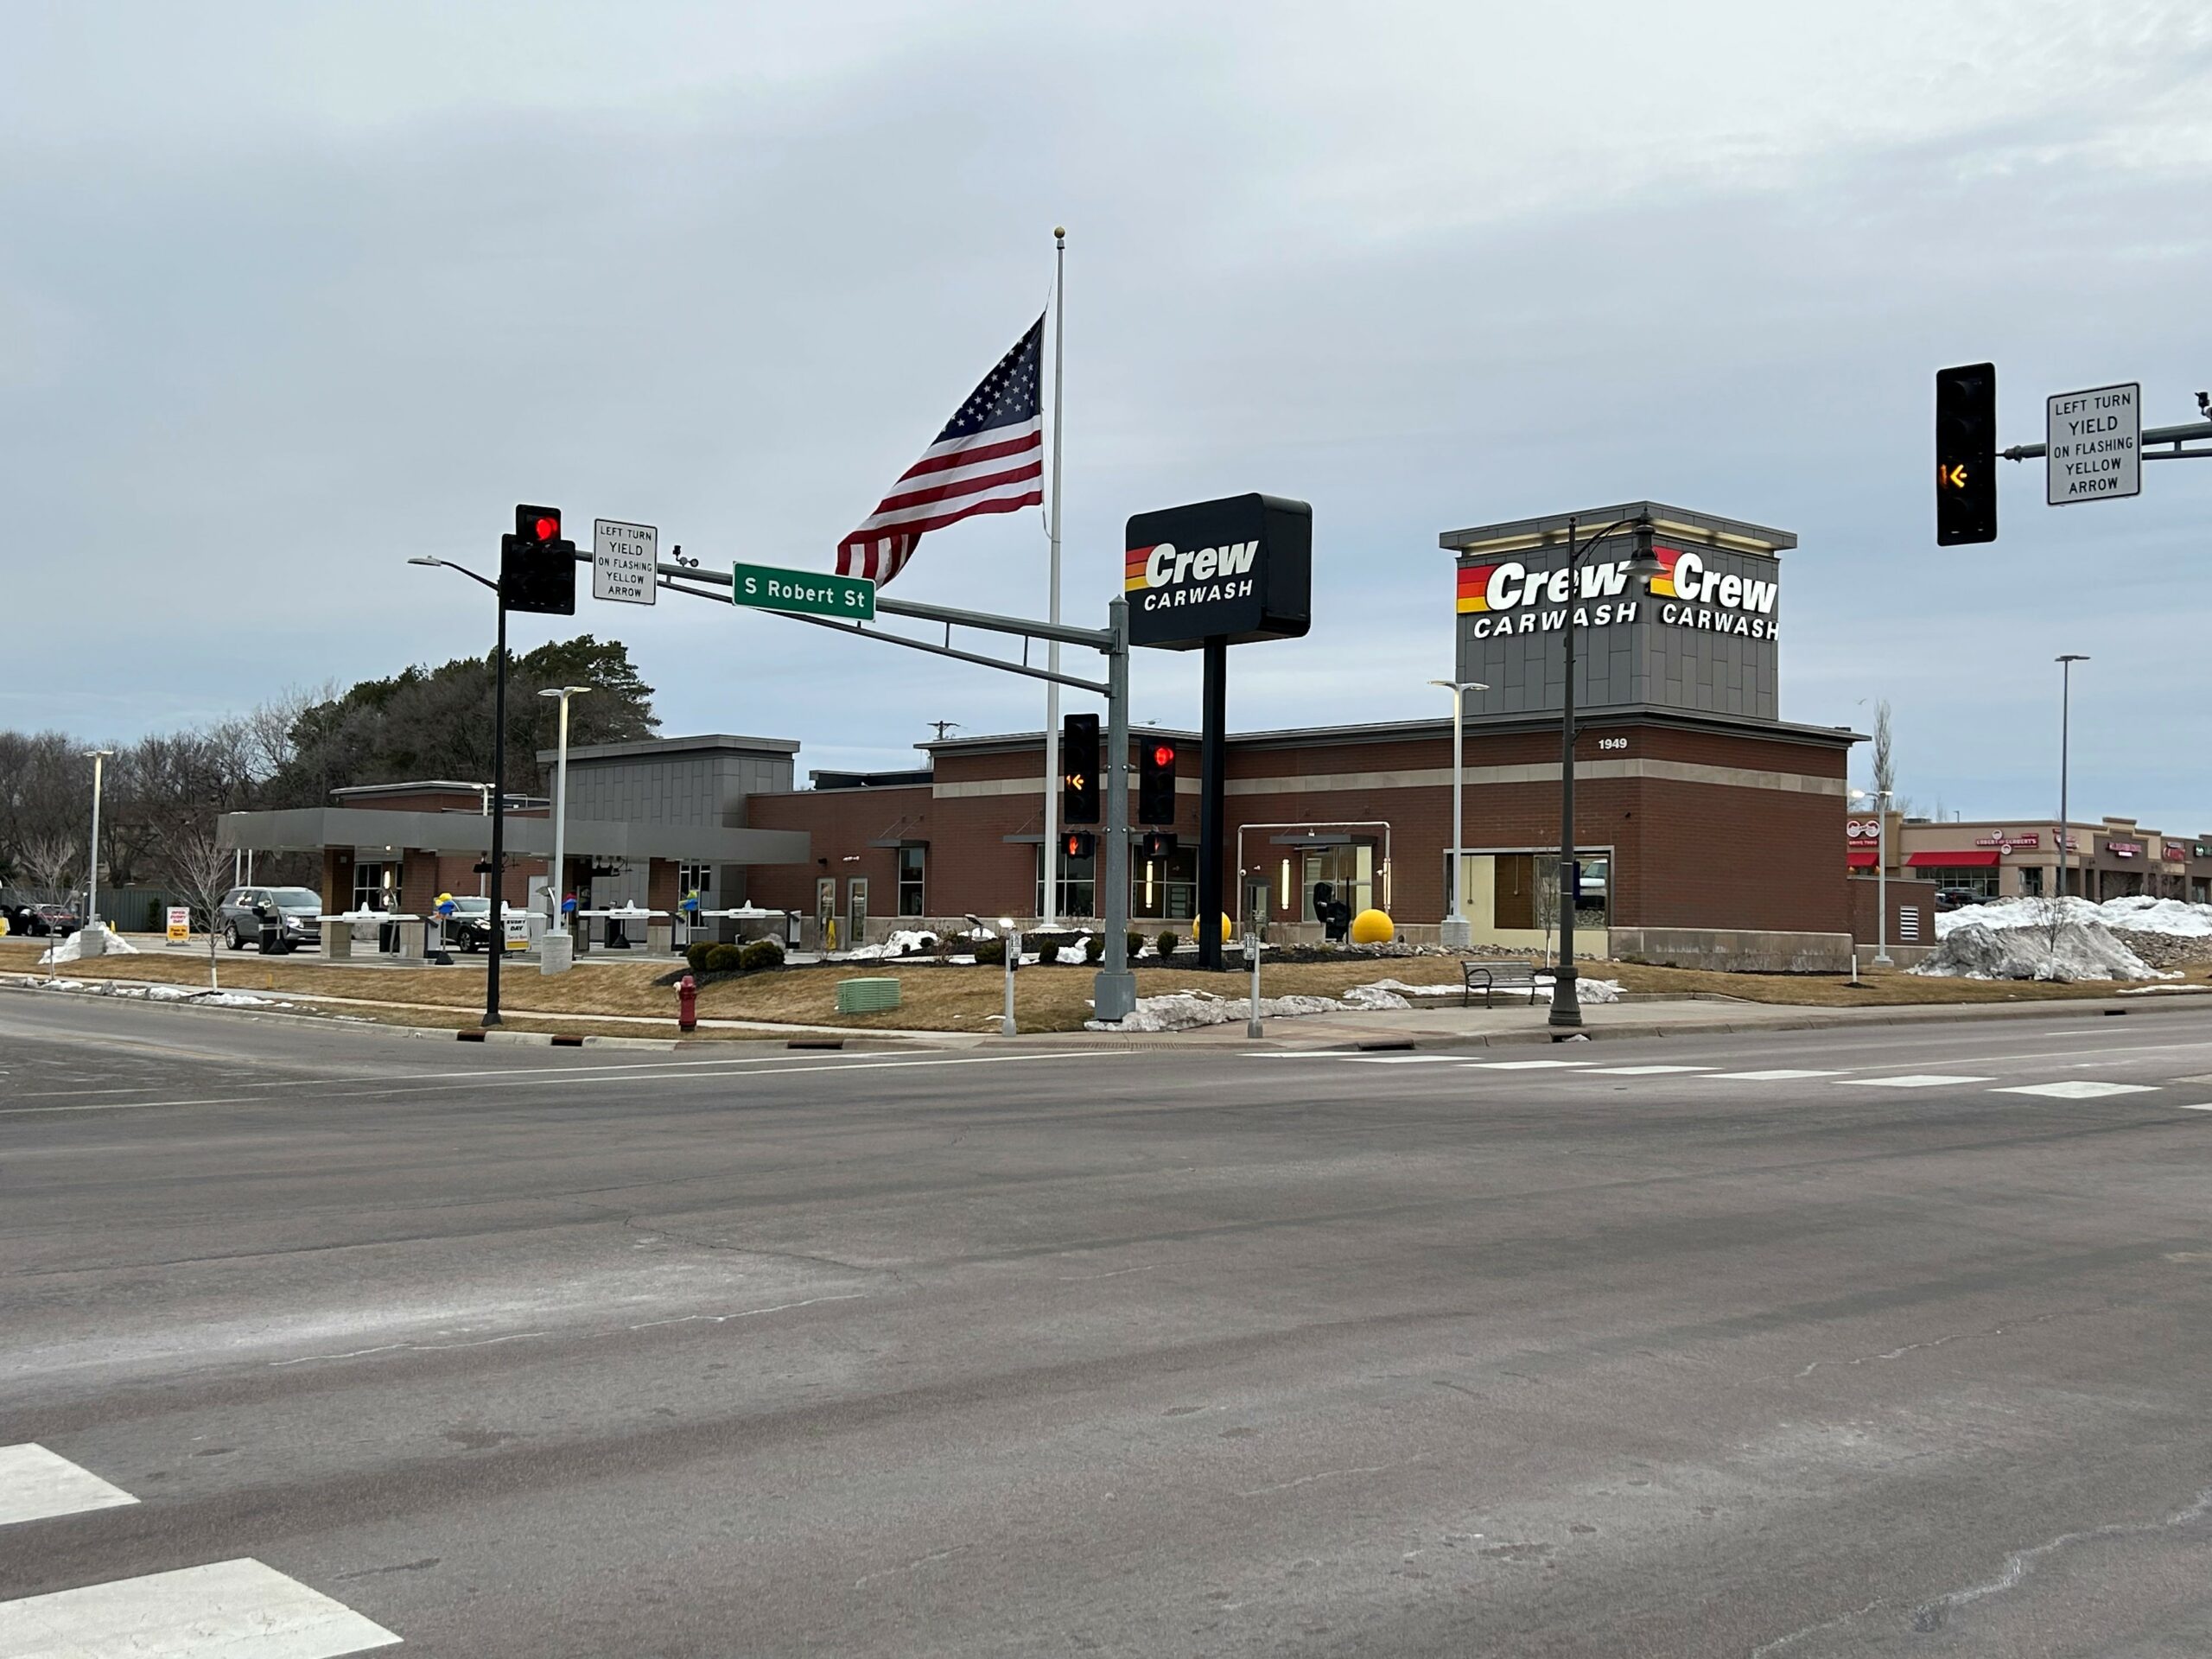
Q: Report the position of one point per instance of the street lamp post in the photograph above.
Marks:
(495, 917)
(1567, 1009)
(1881, 799)
(2065, 717)
(554, 949)
(93, 939)
(1457, 933)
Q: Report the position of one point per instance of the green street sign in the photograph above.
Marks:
(770, 588)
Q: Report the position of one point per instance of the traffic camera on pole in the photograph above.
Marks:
(1966, 455)
(1156, 782)
(538, 568)
(1079, 769)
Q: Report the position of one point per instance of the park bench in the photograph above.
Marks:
(1488, 976)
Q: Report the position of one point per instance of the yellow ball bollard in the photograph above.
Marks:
(1372, 927)
(1227, 931)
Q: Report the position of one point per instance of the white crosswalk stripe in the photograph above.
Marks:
(1780, 1074)
(1643, 1070)
(36, 1485)
(1524, 1065)
(1913, 1080)
(225, 1609)
(1401, 1059)
(2078, 1088)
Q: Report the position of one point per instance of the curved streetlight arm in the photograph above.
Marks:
(448, 564)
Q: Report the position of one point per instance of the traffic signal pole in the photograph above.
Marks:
(1213, 773)
(497, 917)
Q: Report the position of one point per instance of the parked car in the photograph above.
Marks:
(1958, 897)
(469, 928)
(295, 908)
(38, 921)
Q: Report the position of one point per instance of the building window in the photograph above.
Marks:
(1166, 889)
(912, 865)
(376, 887)
(1979, 878)
(2031, 881)
(1349, 870)
(1077, 882)
(699, 879)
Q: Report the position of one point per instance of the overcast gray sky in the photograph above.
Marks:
(288, 292)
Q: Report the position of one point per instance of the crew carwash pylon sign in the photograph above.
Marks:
(1210, 576)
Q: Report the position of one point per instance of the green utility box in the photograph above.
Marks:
(867, 995)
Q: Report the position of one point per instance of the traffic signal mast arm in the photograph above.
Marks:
(2188, 432)
(1097, 638)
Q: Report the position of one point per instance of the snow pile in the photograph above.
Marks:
(73, 948)
(1186, 1010)
(903, 942)
(1585, 989)
(166, 993)
(2070, 950)
(1072, 955)
(2138, 914)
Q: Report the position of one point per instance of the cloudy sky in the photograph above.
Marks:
(289, 292)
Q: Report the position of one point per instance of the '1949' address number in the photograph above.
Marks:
(1612, 742)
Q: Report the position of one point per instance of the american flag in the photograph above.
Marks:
(990, 458)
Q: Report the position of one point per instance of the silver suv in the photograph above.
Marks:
(294, 908)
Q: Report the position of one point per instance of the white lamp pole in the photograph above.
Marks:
(92, 863)
(1457, 933)
(1881, 799)
(2065, 715)
(548, 951)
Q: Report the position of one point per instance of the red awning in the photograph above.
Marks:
(1971, 858)
(1862, 858)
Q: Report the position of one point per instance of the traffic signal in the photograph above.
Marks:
(1156, 782)
(1966, 455)
(1159, 844)
(537, 569)
(1079, 769)
(1078, 843)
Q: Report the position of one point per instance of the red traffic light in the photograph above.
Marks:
(540, 526)
(1163, 755)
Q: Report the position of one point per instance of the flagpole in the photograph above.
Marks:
(1051, 861)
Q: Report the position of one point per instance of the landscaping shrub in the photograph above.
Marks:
(1166, 943)
(990, 950)
(1136, 944)
(1094, 947)
(696, 955)
(761, 953)
(720, 959)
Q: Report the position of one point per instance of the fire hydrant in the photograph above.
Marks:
(687, 1003)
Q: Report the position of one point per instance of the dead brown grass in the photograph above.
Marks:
(935, 998)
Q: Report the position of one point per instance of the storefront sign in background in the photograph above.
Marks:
(179, 923)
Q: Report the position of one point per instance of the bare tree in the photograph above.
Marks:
(1544, 896)
(193, 862)
(1885, 763)
(49, 866)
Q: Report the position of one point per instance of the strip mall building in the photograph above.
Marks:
(1705, 823)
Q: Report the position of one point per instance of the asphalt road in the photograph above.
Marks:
(519, 1351)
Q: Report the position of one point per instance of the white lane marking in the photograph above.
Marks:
(1779, 1076)
(1643, 1070)
(36, 1485)
(1912, 1080)
(1523, 1065)
(413, 1347)
(2207, 1106)
(747, 1313)
(126, 1106)
(321, 1091)
(225, 1609)
(828, 1061)
(2079, 1089)
(1403, 1059)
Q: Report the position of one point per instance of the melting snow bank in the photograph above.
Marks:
(73, 948)
(2137, 914)
(166, 993)
(2068, 950)
(1187, 1010)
